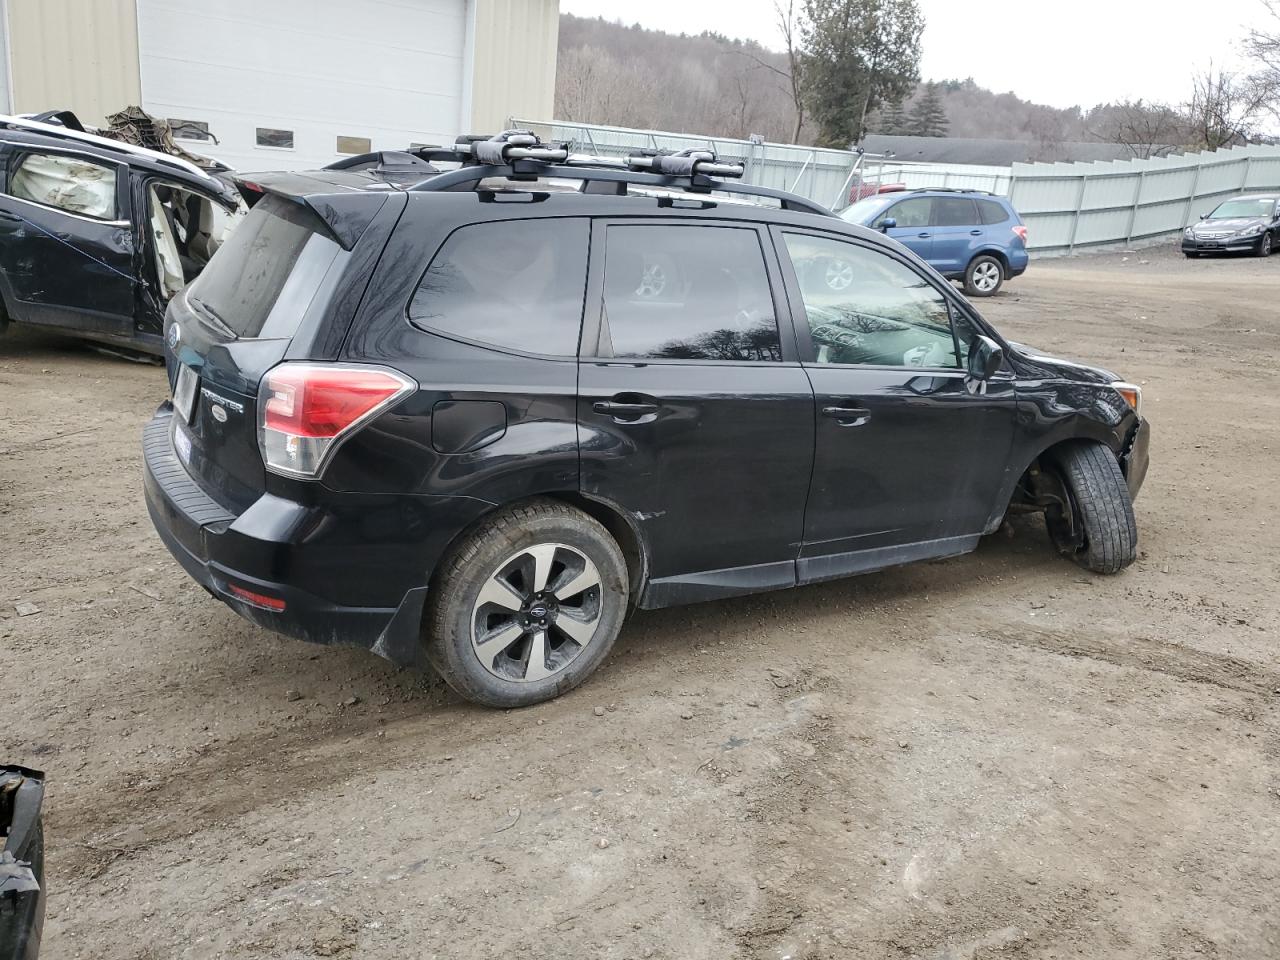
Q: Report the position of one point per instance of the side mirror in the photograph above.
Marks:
(1204, 216)
(888, 223)
(985, 358)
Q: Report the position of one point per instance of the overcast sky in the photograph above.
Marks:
(1058, 52)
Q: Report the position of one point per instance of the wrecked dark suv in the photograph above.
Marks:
(471, 405)
(98, 235)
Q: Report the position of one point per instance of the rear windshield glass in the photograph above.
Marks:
(267, 272)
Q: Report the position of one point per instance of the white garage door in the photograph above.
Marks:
(292, 84)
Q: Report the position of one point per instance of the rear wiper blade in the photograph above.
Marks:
(208, 311)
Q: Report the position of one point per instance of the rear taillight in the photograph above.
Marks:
(305, 410)
(1021, 231)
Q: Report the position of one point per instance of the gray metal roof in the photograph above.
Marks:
(996, 153)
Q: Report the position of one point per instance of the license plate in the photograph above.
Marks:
(184, 392)
(182, 443)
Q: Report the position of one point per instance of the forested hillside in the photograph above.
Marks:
(633, 77)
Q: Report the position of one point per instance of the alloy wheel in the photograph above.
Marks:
(536, 612)
(986, 276)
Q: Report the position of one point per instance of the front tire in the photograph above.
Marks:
(1095, 525)
(1265, 245)
(984, 276)
(527, 605)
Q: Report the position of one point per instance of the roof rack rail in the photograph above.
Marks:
(520, 155)
(36, 126)
(985, 193)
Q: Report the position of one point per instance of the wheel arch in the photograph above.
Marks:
(991, 251)
(1017, 478)
(621, 526)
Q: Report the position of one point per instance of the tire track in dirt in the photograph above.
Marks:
(237, 776)
(1145, 653)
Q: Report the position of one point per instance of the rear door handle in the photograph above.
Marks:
(628, 408)
(975, 233)
(847, 416)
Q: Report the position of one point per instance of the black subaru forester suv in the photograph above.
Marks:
(473, 404)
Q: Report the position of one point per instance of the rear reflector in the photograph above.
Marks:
(274, 604)
(305, 410)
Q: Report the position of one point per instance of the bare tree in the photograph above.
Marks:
(791, 72)
(1263, 47)
(790, 24)
(1225, 106)
(1144, 129)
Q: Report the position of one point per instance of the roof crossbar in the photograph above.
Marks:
(519, 155)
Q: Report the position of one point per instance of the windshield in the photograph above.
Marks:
(865, 210)
(1236, 209)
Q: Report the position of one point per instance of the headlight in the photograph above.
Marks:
(1253, 231)
(1131, 393)
(1188, 233)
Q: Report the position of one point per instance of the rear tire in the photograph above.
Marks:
(1097, 528)
(984, 276)
(527, 605)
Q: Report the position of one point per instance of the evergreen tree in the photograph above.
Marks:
(892, 120)
(858, 55)
(929, 116)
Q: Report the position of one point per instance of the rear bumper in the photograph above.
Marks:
(262, 550)
(1137, 457)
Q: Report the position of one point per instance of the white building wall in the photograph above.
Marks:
(6, 99)
(387, 70)
(514, 61)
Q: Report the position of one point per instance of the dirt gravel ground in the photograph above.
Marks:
(997, 755)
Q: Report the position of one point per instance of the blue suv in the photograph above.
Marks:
(965, 235)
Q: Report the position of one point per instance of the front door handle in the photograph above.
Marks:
(975, 233)
(924, 236)
(628, 408)
(847, 416)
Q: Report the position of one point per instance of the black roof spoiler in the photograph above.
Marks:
(345, 214)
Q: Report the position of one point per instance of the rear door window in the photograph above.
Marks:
(267, 272)
(514, 284)
(687, 292)
(954, 212)
(66, 182)
(992, 212)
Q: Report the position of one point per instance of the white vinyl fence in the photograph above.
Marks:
(1066, 206)
(824, 176)
(1073, 206)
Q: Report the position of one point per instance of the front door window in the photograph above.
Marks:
(864, 307)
